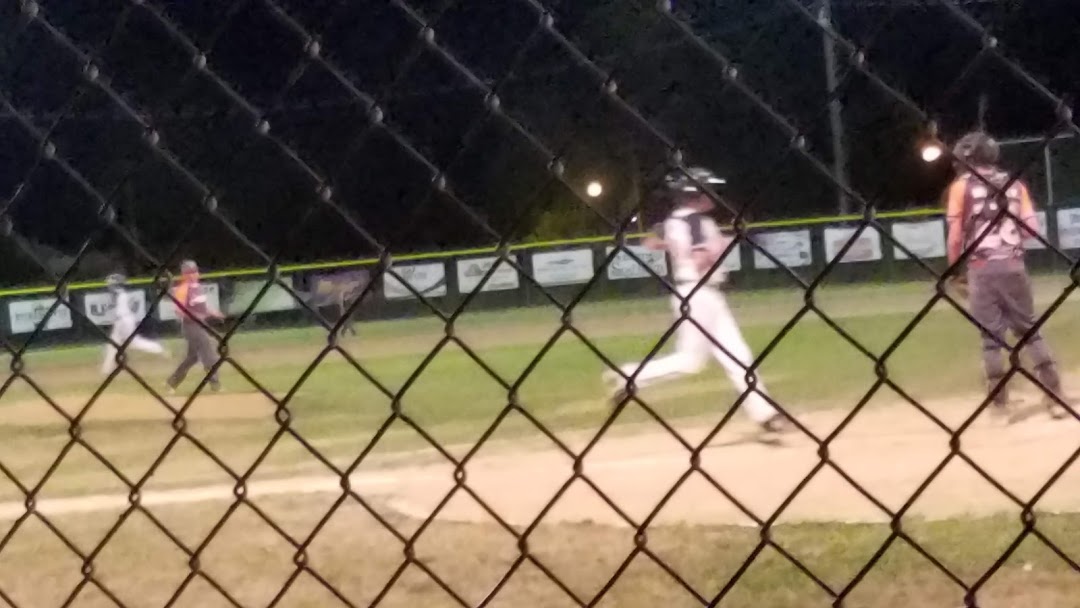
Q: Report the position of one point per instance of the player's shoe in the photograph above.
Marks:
(1056, 410)
(616, 387)
(777, 424)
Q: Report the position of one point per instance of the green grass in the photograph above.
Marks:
(358, 556)
(454, 399)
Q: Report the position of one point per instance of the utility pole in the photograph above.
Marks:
(836, 117)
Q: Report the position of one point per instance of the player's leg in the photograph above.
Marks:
(117, 335)
(147, 345)
(191, 357)
(1019, 309)
(690, 356)
(109, 364)
(737, 358)
(207, 354)
(985, 307)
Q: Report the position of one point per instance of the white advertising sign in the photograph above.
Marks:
(791, 247)
(428, 279)
(1031, 242)
(101, 310)
(733, 261)
(167, 310)
(26, 315)
(867, 248)
(924, 239)
(625, 267)
(1068, 225)
(275, 299)
(471, 271)
(563, 267)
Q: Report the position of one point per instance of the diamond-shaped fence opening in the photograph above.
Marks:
(422, 302)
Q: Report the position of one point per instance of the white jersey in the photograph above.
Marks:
(122, 308)
(686, 231)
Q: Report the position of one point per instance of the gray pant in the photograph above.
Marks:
(200, 348)
(1002, 301)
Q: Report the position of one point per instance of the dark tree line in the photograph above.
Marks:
(430, 105)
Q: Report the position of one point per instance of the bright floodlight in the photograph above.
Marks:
(594, 189)
(931, 152)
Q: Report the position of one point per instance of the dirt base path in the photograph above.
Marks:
(889, 451)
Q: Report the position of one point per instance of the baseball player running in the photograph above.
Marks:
(124, 326)
(694, 243)
(999, 286)
(193, 306)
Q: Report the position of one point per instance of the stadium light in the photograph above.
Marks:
(931, 151)
(594, 189)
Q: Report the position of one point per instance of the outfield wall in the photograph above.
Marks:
(559, 268)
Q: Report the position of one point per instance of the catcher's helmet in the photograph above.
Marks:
(687, 181)
(977, 148)
(115, 280)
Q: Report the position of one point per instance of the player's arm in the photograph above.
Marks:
(655, 239)
(954, 216)
(1027, 214)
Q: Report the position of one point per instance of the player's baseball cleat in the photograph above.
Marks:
(1056, 410)
(616, 387)
(777, 424)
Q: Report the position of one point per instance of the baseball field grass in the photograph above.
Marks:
(454, 400)
(365, 563)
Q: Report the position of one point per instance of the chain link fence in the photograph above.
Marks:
(269, 132)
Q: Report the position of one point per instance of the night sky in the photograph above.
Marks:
(435, 114)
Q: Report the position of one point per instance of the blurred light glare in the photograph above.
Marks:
(931, 152)
(594, 189)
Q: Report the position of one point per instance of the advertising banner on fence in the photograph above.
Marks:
(625, 267)
(25, 315)
(428, 279)
(563, 267)
(1068, 225)
(867, 248)
(472, 270)
(245, 292)
(791, 247)
(1031, 242)
(733, 261)
(101, 310)
(167, 310)
(336, 288)
(924, 239)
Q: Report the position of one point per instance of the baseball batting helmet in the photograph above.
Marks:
(189, 266)
(977, 148)
(115, 280)
(688, 180)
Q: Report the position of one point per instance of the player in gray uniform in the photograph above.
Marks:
(124, 326)
(1001, 298)
(193, 306)
(694, 243)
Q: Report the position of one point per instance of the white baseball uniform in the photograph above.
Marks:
(123, 328)
(684, 232)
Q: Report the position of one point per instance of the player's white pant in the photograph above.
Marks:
(121, 330)
(692, 349)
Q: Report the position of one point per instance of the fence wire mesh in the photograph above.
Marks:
(210, 111)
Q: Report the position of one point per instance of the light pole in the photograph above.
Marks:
(836, 117)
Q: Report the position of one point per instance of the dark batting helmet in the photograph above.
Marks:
(679, 181)
(977, 148)
(115, 281)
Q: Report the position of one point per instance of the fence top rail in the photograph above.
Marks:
(490, 250)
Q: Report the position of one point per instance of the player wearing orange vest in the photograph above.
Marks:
(1001, 297)
(193, 307)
